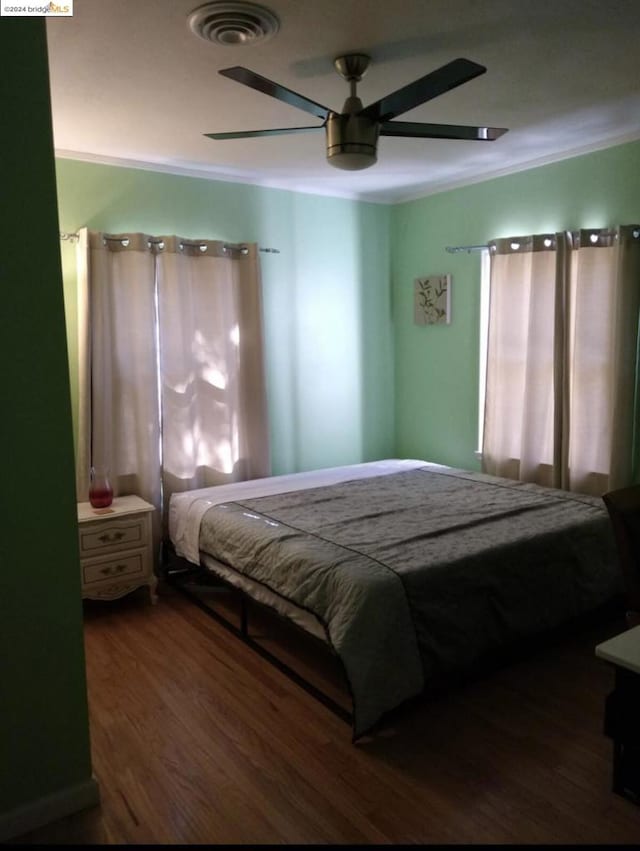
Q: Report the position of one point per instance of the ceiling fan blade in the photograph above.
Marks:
(249, 134)
(441, 131)
(430, 86)
(268, 87)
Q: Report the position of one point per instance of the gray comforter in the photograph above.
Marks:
(421, 572)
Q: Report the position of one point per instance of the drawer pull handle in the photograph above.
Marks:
(116, 568)
(107, 538)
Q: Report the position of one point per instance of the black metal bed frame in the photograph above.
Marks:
(177, 572)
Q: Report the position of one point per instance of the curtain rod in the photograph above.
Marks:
(73, 237)
(455, 249)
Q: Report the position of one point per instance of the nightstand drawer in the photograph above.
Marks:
(127, 566)
(112, 535)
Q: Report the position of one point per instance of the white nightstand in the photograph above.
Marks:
(622, 711)
(115, 548)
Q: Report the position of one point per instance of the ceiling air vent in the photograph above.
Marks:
(229, 23)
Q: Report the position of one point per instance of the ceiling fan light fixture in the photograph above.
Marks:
(233, 22)
(351, 158)
(352, 141)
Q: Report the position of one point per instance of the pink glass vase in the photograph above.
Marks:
(100, 490)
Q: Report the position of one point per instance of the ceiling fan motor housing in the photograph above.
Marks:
(352, 140)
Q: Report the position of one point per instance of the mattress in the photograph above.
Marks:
(410, 569)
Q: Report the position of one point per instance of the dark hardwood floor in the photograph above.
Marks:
(196, 739)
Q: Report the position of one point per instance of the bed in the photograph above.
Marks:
(407, 570)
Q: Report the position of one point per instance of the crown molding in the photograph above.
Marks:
(383, 196)
(204, 174)
(582, 150)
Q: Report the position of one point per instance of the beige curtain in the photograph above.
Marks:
(561, 362)
(125, 425)
(83, 441)
(177, 381)
(214, 408)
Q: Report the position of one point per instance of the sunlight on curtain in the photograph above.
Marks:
(561, 365)
(212, 373)
(518, 432)
(604, 308)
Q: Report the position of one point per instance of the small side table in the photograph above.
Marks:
(622, 711)
(116, 554)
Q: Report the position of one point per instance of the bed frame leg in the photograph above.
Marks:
(176, 570)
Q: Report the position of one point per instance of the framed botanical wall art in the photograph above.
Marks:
(432, 300)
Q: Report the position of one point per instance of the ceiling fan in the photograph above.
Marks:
(352, 135)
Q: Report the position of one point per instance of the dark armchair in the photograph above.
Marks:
(624, 510)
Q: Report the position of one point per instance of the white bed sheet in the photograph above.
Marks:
(187, 509)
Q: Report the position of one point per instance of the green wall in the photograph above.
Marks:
(329, 345)
(44, 743)
(347, 382)
(436, 368)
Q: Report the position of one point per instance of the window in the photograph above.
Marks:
(561, 358)
(176, 396)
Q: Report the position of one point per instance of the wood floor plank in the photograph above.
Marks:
(198, 740)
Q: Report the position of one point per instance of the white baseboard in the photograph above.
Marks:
(50, 808)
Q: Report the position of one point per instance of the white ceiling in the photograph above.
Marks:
(132, 84)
